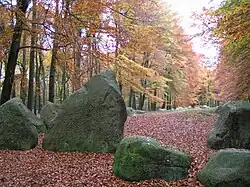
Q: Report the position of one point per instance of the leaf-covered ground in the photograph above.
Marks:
(186, 130)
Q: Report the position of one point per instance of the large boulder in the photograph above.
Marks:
(227, 168)
(142, 158)
(48, 113)
(18, 126)
(232, 129)
(91, 119)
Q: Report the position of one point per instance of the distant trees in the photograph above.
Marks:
(228, 25)
(63, 43)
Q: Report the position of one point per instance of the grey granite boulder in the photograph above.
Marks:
(18, 126)
(48, 113)
(227, 168)
(91, 119)
(232, 129)
(142, 158)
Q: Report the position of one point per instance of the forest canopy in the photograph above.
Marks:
(49, 49)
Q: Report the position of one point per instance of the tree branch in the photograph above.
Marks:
(35, 47)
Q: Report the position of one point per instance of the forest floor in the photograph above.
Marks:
(40, 168)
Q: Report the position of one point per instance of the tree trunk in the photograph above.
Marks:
(37, 87)
(32, 61)
(64, 73)
(169, 101)
(134, 101)
(53, 60)
(1, 67)
(52, 74)
(149, 104)
(63, 89)
(38, 84)
(141, 101)
(22, 6)
(23, 90)
(163, 106)
(131, 93)
(43, 78)
(117, 43)
(13, 93)
(90, 61)
(35, 95)
(78, 64)
(153, 105)
(97, 61)
(146, 64)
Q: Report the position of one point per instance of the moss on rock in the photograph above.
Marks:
(227, 168)
(91, 119)
(140, 158)
(17, 126)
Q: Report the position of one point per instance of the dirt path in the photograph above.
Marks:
(37, 168)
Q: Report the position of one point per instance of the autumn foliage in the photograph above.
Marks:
(228, 26)
(70, 41)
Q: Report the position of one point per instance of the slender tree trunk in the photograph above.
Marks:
(163, 105)
(64, 73)
(37, 87)
(23, 90)
(31, 79)
(134, 101)
(145, 63)
(78, 64)
(131, 93)
(53, 60)
(58, 86)
(32, 61)
(35, 95)
(142, 95)
(141, 100)
(1, 67)
(22, 6)
(90, 61)
(52, 75)
(169, 101)
(43, 78)
(153, 105)
(63, 90)
(149, 104)
(13, 93)
(38, 82)
(117, 43)
(97, 61)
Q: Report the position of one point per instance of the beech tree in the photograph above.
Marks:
(228, 26)
(21, 8)
(71, 41)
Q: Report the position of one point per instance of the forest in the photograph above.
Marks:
(49, 49)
